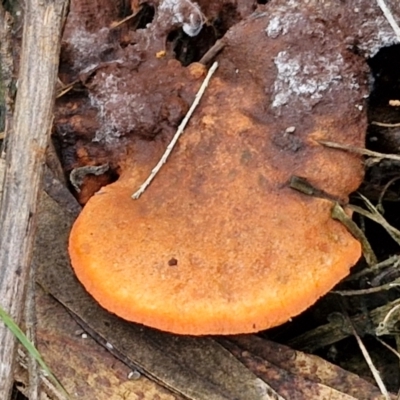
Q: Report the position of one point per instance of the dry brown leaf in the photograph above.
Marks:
(309, 376)
(87, 370)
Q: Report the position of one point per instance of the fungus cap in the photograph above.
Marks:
(219, 244)
(235, 266)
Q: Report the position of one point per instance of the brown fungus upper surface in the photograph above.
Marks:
(219, 243)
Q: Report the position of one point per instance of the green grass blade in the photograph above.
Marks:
(31, 349)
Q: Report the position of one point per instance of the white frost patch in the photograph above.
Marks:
(274, 28)
(185, 13)
(117, 109)
(283, 20)
(279, 25)
(375, 34)
(305, 77)
(87, 47)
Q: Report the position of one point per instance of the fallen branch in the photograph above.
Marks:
(25, 157)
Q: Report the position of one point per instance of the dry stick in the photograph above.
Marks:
(335, 330)
(25, 157)
(212, 52)
(374, 215)
(390, 348)
(386, 124)
(379, 206)
(65, 89)
(388, 15)
(362, 292)
(49, 388)
(178, 133)
(339, 214)
(391, 261)
(126, 19)
(383, 327)
(371, 365)
(359, 150)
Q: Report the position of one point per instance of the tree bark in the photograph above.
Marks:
(25, 155)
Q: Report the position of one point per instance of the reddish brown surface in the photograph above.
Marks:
(125, 89)
(131, 85)
(250, 251)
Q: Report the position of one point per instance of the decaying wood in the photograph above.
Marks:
(24, 163)
(6, 65)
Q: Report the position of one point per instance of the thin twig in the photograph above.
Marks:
(383, 192)
(397, 340)
(394, 260)
(126, 19)
(368, 359)
(386, 124)
(359, 150)
(390, 348)
(303, 186)
(360, 292)
(339, 214)
(335, 330)
(383, 327)
(385, 275)
(178, 133)
(389, 16)
(50, 389)
(212, 52)
(65, 89)
(377, 217)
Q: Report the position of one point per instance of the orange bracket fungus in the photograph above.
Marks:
(219, 243)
